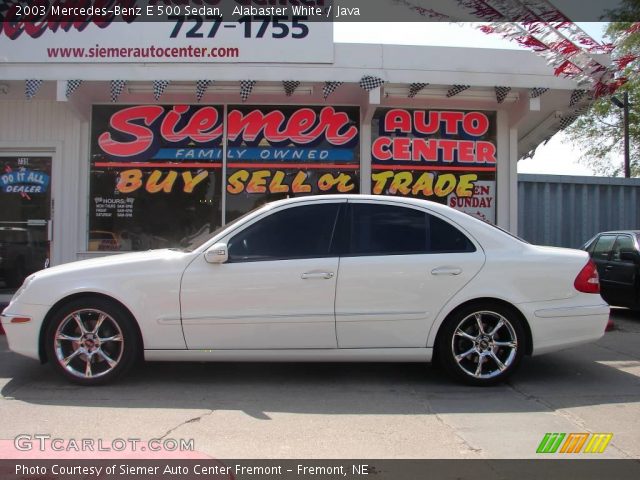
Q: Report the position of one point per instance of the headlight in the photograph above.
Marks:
(23, 287)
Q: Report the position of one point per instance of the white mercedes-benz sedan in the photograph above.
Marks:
(327, 278)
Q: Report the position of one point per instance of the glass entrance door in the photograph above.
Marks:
(25, 218)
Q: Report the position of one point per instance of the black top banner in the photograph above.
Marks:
(103, 12)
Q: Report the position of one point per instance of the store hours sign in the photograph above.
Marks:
(130, 31)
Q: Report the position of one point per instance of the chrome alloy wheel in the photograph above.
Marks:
(484, 344)
(88, 343)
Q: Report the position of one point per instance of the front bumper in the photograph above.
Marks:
(23, 336)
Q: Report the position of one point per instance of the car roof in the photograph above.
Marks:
(632, 232)
(358, 196)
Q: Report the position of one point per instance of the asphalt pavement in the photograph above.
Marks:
(241, 410)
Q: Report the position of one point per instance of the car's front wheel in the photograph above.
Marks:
(482, 344)
(91, 341)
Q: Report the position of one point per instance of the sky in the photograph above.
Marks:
(558, 156)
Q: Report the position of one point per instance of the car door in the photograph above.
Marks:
(277, 289)
(622, 274)
(600, 255)
(401, 266)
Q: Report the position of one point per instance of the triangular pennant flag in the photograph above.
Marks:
(536, 92)
(201, 88)
(72, 86)
(369, 82)
(456, 89)
(31, 87)
(329, 88)
(290, 86)
(246, 87)
(501, 93)
(576, 96)
(159, 86)
(568, 120)
(414, 88)
(117, 86)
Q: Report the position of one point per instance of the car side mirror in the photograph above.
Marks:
(629, 256)
(218, 253)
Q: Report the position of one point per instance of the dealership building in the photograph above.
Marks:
(109, 144)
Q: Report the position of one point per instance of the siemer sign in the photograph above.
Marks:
(109, 31)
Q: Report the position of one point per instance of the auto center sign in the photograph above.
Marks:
(109, 31)
(447, 156)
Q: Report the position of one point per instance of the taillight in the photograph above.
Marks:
(588, 280)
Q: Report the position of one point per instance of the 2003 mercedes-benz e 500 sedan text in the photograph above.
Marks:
(330, 278)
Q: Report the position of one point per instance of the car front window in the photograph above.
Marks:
(304, 231)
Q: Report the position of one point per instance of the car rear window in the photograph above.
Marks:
(623, 242)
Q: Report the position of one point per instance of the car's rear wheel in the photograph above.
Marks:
(91, 341)
(482, 344)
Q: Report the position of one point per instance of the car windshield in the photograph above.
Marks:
(189, 244)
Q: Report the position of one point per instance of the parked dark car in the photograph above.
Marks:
(617, 256)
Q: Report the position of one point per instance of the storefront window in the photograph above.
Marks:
(447, 156)
(281, 152)
(155, 176)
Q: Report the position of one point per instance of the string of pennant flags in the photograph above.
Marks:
(546, 31)
(580, 98)
(367, 83)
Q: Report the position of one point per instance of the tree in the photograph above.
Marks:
(599, 133)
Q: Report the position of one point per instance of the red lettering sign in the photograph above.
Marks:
(302, 127)
(429, 122)
(434, 136)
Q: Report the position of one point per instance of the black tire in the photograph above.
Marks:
(108, 357)
(499, 357)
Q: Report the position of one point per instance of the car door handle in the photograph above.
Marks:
(609, 267)
(446, 271)
(310, 275)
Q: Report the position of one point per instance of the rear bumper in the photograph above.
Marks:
(558, 327)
